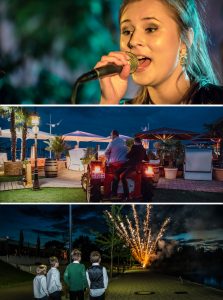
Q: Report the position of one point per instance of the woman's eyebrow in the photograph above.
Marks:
(143, 19)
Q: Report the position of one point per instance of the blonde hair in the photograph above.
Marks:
(53, 260)
(95, 257)
(76, 254)
(41, 269)
(198, 67)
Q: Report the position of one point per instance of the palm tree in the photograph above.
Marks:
(58, 146)
(22, 122)
(10, 112)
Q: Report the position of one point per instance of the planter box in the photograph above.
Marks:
(170, 173)
(61, 165)
(218, 174)
(13, 168)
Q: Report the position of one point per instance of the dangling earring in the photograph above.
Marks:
(183, 57)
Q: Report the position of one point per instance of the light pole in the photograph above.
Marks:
(7, 248)
(35, 127)
(70, 231)
(52, 125)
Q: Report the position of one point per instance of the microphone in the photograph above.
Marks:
(109, 69)
(100, 72)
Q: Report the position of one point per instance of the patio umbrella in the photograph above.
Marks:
(123, 137)
(165, 134)
(81, 136)
(5, 133)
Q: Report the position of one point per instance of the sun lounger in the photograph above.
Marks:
(198, 164)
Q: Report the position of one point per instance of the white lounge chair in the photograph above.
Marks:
(198, 164)
(74, 161)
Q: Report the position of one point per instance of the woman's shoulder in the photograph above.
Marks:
(208, 94)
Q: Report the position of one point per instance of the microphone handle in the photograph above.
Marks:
(100, 72)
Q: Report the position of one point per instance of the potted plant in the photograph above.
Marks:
(89, 155)
(171, 155)
(58, 147)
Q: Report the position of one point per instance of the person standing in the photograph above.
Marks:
(75, 277)
(54, 285)
(97, 277)
(39, 283)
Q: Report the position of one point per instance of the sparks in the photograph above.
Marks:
(137, 235)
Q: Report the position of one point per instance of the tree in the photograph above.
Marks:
(110, 240)
(22, 122)
(18, 118)
(10, 112)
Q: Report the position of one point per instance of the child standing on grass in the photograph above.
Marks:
(75, 277)
(39, 283)
(97, 277)
(54, 285)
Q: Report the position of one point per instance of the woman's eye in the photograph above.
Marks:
(151, 29)
(126, 32)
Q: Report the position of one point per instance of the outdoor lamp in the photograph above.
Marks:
(35, 120)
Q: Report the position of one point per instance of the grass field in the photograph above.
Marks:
(10, 275)
(70, 195)
(46, 195)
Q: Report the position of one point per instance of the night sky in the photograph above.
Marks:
(198, 225)
(128, 120)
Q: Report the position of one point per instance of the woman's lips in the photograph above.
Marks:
(143, 64)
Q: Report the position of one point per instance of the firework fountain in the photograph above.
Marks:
(137, 235)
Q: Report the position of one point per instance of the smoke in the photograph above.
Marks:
(165, 249)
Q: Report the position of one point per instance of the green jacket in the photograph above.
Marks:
(75, 277)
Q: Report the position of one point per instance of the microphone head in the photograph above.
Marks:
(133, 62)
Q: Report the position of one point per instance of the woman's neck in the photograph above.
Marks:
(171, 91)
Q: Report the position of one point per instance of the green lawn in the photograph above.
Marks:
(57, 195)
(10, 275)
(67, 195)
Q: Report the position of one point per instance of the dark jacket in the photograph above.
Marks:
(136, 155)
(208, 94)
(96, 277)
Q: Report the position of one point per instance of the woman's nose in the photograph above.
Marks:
(135, 40)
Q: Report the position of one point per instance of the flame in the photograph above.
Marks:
(138, 237)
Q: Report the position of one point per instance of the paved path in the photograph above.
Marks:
(13, 185)
(126, 287)
(67, 178)
(160, 286)
(72, 179)
(191, 185)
